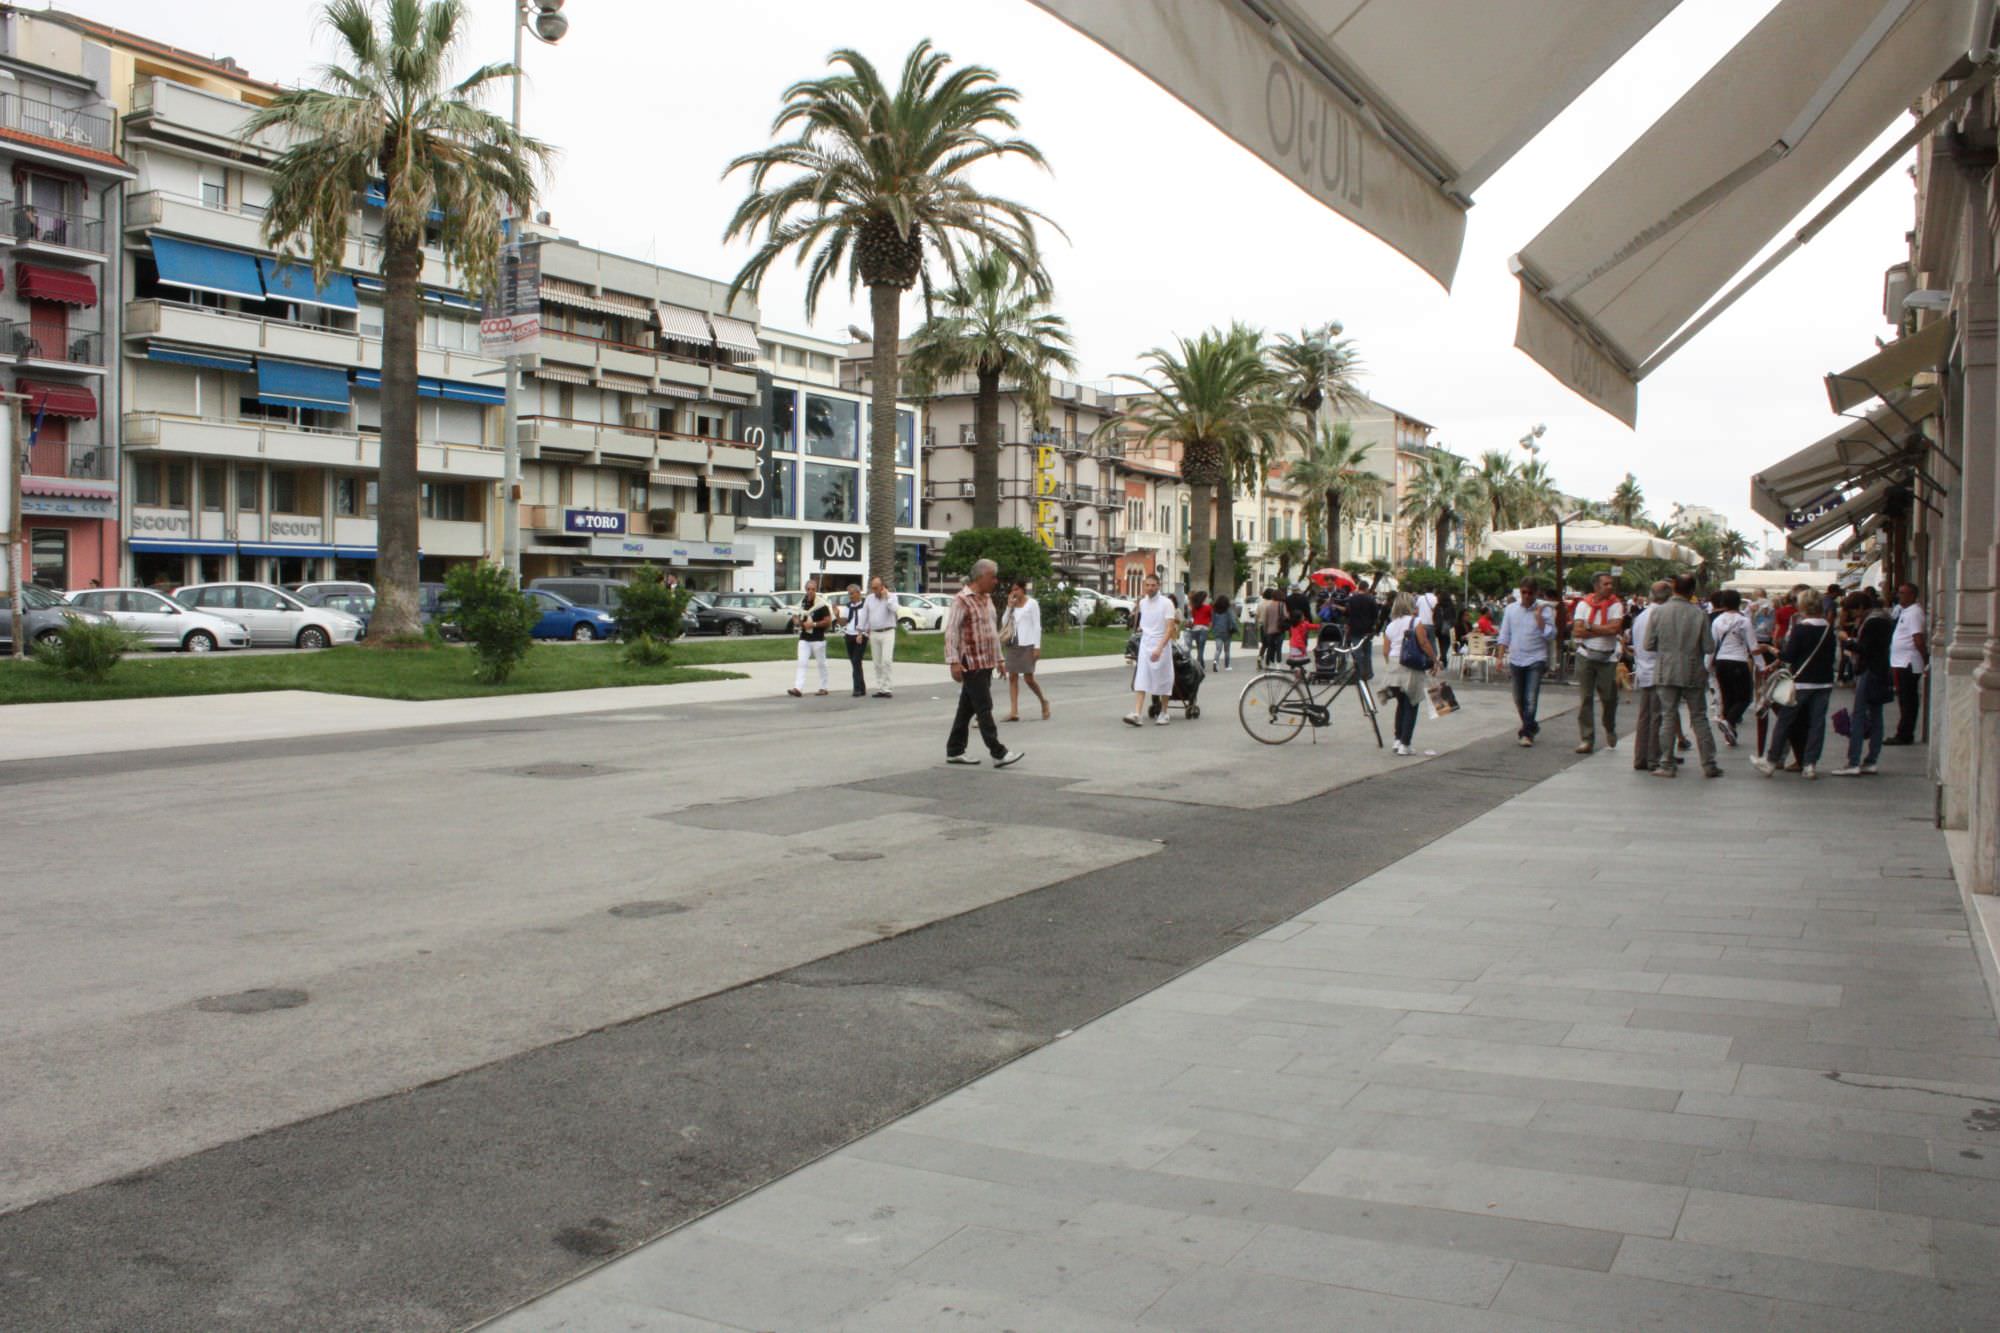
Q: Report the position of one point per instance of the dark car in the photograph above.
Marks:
(43, 616)
(317, 594)
(704, 617)
(357, 604)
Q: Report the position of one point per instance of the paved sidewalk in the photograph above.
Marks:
(1617, 1054)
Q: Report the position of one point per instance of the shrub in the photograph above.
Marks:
(1494, 575)
(1056, 603)
(643, 650)
(648, 609)
(495, 618)
(1426, 578)
(1104, 616)
(85, 650)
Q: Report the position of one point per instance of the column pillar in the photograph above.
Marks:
(1959, 596)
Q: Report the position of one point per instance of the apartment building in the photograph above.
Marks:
(58, 295)
(1268, 511)
(1396, 446)
(1156, 519)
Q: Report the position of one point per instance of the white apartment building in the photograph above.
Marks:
(1396, 441)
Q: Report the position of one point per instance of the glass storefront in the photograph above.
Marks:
(833, 427)
(832, 494)
(786, 570)
(911, 569)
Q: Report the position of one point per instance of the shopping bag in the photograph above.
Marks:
(1442, 701)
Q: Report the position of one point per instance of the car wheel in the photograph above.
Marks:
(49, 638)
(583, 633)
(201, 641)
(906, 625)
(734, 629)
(313, 637)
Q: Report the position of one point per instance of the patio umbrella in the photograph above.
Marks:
(1589, 539)
(1336, 577)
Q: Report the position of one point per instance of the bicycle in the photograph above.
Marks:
(1276, 705)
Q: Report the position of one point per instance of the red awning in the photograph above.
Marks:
(58, 400)
(55, 284)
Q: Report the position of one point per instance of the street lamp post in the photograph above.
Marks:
(544, 17)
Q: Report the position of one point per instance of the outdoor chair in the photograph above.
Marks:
(1478, 653)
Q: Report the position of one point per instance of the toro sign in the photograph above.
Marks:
(597, 521)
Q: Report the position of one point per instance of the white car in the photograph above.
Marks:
(275, 618)
(916, 611)
(161, 622)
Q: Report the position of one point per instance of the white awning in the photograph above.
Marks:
(666, 389)
(563, 374)
(1619, 281)
(1892, 368)
(563, 292)
(617, 383)
(1855, 509)
(672, 477)
(679, 322)
(734, 335)
(728, 481)
(1849, 456)
(1587, 538)
(1389, 112)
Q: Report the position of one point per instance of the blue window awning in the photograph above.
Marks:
(364, 283)
(295, 384)
(450, 300)
(368, 379)
(199, 356)
(282, 549)
(178, 546)
(207, 268)
(457, 391)
(294, 282)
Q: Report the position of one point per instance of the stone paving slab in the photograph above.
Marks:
(1716, 1056)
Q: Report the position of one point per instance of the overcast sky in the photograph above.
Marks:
(1170, 226)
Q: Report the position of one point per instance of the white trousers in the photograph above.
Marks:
(882, 646)
(810, 652)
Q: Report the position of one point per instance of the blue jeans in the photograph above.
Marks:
(1222, 650)
(1867, 721)
(1198, 644)
(1528, 695)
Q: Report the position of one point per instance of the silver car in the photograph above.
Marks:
(43, 616)
(916, 611)
(161, 622)
(773, 616)
(275, 618)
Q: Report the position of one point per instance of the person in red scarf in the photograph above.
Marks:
(1596, 625)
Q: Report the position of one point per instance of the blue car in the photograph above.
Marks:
(564, 619)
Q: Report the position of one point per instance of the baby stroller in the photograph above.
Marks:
(1188, 677)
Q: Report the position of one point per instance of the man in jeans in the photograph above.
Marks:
(1599, 621)
(1678, 632)
(1646, 754)
(1909, 657)
(854, 628)
(972, 651)
(1526, 628)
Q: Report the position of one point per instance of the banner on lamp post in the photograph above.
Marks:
(510, 318)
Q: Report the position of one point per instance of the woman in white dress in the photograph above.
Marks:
(1153, 674)
(1021, 648)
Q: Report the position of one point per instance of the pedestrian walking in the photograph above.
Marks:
(1201, 616)
(1526, 628)
(1443, 625)
(1646, 752)
(1408, 658)
(878, 613)
(1272, 619)
(812, 620)
(1363, 612)
(1909, 659)
(855, 634)
(1868, 647)
(1223, 627)
(1599, 623)
(1677, 631)
(1021, 648)
(1153, 672)
(972, 651)
(1735, 679)
(1808, 654)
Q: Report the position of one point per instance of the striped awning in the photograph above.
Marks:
(735, 335)
(576, 295)
(728, 481)
(682, 324)
(561, 374)
(623, 383)
(672, 477)
(678, 391)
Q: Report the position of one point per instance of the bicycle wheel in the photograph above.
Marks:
(1272, 708)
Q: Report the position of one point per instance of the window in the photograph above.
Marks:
(1270, 527)
(785, 564)
(261, 599)
(449, 500)
(783, 473)
(160, 482)
(48, 557)
(145, 481)
(906, 502)
(222, 596)
(284, 492)
(784, 421)
(213, 486)
(638, 497)
(832, 494)
(247, 497)
(833, 427)
(906, 439)
(1166, 521)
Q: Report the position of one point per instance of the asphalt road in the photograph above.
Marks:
(559, 1084)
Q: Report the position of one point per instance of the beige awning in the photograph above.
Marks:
(617, 383)
(668, 389)
(1862, 532)
(575, 294)
(735, 335)
(1892, 368)
(728, 481)
(679, 322)
(1389, 112)
(1854, 454)
(1632, 268)
(1855, 509)
(672, 477)
(562, 374)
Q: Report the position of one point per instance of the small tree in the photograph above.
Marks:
(1492, 575)
(85, 650)
(1018, 555)
(495, 618)
(649, 617)
(1425, 578)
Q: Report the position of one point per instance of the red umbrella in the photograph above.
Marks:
(1336, 577)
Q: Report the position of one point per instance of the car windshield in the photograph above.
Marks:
(554, 597)
(39, 599)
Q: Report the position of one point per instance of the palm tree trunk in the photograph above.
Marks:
(1222, 554)
(1200, 545)
(885, 303)
(396, 518)
(1333, 528)
(1444, 541)
(986, 450)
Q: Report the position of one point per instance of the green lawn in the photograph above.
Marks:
(435, 673)
(917, 647)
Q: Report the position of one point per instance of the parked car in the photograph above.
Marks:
(598, 594)
(703, 616)
(316, 594)
(914, 610)
(161, 622)
(772, 615)
(359, 605)
(42, 618)
(1087, 601)
(275, 618)
(564, 619)
(432, 609)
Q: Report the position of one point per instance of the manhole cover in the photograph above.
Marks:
(650, 907)
(251, 1001)
(857, 856)
(561, 770)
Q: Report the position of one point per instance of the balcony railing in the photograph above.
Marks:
(86, 127)
(44, 226)
(23, 340)
(75, 460)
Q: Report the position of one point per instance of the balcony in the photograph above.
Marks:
(76, 460)
(605, 443)
(80, 350)
(241, 227)
(282, 442)
(40, 229)
(206, 326)
(947, 490)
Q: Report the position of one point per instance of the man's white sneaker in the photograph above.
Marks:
(1763, 765)
(1402, 749)
(1851, 771)
(1162, 719)
(1011, 757)
(1809, 772)
(966, 759)
(1870, 769)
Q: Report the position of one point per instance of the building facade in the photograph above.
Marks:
(58, 296)
(1157, 516)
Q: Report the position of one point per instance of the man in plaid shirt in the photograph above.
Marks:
(972, 651)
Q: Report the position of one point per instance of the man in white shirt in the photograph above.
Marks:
(1526, 629)
(878, 621)
(1909, 658)
(1646, 743)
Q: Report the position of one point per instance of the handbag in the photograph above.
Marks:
(1843, 723)
(1412, 654)
(1782, 689)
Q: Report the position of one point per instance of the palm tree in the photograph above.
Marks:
(1214, 395)
(1496, 486)
(1736, 550)
(1333, 472)
(1437, 495)
(1539, 500)
(1628, 501)
(995, 323)
(1318, 369)
(391, 114)
(876, 181)
(1287, 551)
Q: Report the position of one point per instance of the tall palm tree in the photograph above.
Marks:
(1437, 496)
(1214, 395)
(1333, 471)
(1539, 500)
(391, 114)
(994, 322)
(1318, 370)
(875, 178)
(1287, 551)
(1496, 485)
(1628, 501)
